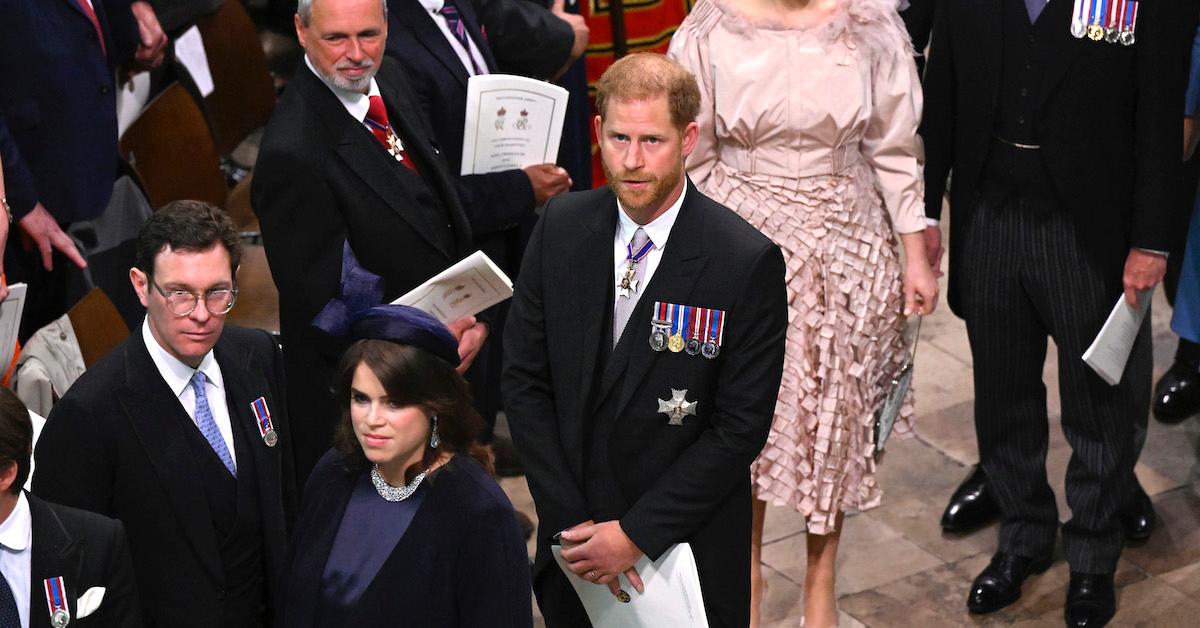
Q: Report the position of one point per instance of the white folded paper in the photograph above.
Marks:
(467, 288)
(672, 594)
(1110, 350)
(511, 122)
(38, 423)
(189, 51)
(89, 602)
(10, 323)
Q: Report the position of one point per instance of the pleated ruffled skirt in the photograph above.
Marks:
(844, 339)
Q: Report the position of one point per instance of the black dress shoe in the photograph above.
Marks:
(971, 506)
(1137, 518)
(999, 584)
(1091, 601)
(1177, 394)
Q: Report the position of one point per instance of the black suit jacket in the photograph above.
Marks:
(685, 483)
(1108, 120)
(322, 178)
(115, 444)
(918, 21)
(494, 202)
(87, 550)
(462, 561)
(525, 37)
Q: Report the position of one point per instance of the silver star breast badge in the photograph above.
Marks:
(677, 407)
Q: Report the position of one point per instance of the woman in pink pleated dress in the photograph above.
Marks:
(808, 130)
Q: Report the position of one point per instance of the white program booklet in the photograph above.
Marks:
(467, 288)
(189, 50)
(1110, 350)
(512, 122)
(672, 594)
(10, 323)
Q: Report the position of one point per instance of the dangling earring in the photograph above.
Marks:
(434, 440)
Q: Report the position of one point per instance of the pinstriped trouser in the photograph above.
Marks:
(1025, 278)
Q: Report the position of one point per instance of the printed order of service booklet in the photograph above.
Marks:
(672, 593)
(467, 288)
(512, 122)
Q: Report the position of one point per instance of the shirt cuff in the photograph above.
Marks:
(1162, 253)
(932, 222)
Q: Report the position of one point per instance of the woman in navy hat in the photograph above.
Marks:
(401, 524)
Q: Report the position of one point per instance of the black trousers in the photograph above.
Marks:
(556, 599)
(1026, 279)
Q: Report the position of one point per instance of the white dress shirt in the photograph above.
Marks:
(179, 379)
(435, 11)
(658, 231)
(356, 103)
(16, 555)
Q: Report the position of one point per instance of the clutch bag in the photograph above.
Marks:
(898, 386)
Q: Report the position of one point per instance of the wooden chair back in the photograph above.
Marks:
(258, 300)
(243, 91)
(98, 326)
(171, 148)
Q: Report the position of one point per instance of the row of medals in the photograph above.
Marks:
(661, 338)
(1119, 30)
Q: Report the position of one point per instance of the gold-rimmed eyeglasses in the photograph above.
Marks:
(181, 303)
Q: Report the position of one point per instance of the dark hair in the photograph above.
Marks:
(16, 436)
(411, 377)
(187, 226)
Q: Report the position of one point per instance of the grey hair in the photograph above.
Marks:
(304, 10)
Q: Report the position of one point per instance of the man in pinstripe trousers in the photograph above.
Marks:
(1064, 151)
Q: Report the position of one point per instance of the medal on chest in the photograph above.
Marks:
(56, 600)
(628, 285)
(677, 407)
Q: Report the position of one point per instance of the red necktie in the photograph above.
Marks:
(377, 121)
(86, 5)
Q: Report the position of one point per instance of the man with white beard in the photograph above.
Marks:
(348, 164)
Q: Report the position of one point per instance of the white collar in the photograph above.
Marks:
(658, 229)
(177, 374)
(356, 103)
(433, 6)
(17, 529)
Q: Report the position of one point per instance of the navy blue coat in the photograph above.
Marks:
(461, 563)
(58, 119)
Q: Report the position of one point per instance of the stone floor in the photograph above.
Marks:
(896, 568)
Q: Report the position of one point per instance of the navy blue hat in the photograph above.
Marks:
(354, 314)
(407, 326)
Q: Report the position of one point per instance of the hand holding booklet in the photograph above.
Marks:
(1110, 350)
(467, 288)
(672, 593)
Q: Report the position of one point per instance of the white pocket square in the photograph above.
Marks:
(89, 602)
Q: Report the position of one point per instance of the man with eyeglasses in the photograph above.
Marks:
(181, 433)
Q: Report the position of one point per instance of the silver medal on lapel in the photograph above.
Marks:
(262, 417)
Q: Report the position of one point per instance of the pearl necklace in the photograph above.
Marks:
(395, 493)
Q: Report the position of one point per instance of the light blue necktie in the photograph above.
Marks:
(1034, 7)
(208, 426)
